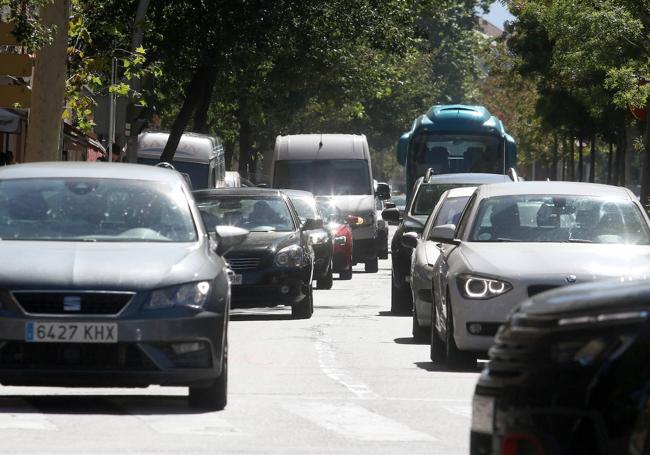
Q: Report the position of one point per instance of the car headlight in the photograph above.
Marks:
(290, 256)
(193, 295)
(476, 287)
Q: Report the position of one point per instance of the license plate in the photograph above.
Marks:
(236, 278)
(70, 332)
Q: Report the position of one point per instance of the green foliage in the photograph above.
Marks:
(28, 30)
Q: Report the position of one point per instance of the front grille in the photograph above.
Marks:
(15, 354)
(535, 289)
(244, 263)
(70, 303)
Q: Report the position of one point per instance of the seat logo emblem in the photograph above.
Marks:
(72, 303)
(571, 279)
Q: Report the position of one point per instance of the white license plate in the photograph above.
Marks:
(236, 278)
(71, 332)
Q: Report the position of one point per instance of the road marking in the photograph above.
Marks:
(329, 365)
(356, 422)
(27, 417)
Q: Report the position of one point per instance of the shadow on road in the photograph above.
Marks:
(410, 340)
(431, 366)
(261, 317)
(97, 404)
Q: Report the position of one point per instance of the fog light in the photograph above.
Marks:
(475, 328)
(284, 289)
(184, 348)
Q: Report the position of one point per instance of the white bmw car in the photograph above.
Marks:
(517, 240)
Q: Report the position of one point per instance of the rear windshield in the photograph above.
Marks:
(324, 177)
(198, 172)
(254, 213)
(429, 195)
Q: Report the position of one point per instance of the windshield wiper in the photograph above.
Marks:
(503, 239)
(579, 241)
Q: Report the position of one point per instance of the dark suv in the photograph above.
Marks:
(424, 197)
(275, 265)
(569, 373)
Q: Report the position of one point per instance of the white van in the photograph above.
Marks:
(336, 165)
(199, 156)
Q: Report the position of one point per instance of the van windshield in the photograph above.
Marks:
(324, 177)
(198, 172)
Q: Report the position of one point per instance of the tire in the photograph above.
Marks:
(383, 254)
(401, 300)
(437, 352)
(326, 281)
(420, 334)
(346, 274)
(215, 396)
(455, 357)
(305, 308)
(372, 266)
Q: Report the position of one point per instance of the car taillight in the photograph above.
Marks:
(521, 444)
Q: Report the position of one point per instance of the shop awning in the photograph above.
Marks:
(9, 122)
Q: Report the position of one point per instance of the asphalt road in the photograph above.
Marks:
(349, 380)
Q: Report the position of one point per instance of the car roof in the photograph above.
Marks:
(297, 193)
(554, 188)
(463, 191)
(466, 177)
(81, 169)
(241, 191)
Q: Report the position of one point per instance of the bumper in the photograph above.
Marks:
(271, 288)
(488, 313)
(180, 349)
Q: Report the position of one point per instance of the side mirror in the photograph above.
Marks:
(383, 191)
(229, 237)
(312, 224)
(445, 233)
(402, 148)
(391, 215)
(389, 205)
(410, 240)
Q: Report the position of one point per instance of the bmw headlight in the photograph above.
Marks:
(290, 256)
(193, 295)
(476, 287)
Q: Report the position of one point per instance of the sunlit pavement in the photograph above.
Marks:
(349, 380)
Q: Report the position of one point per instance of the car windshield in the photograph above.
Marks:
(579, 219)
(399, 201)
(329, 211)
(197, 172)
(103, 210)
(448, 154)
(305, 208)
(324, 177)
(429, 194)
(255, 213)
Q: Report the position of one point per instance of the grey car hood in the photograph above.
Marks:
(103, 265)
(586, 261)
(355, 205)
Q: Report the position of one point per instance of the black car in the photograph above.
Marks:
(569, 373)
(110, 279)
(274, 266)
(424, 197)
(322, 241)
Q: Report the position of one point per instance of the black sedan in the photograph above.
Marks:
(110, 279)
(274, 266)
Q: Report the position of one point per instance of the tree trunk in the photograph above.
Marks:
(592, 160)
(645, 174)
(580, 160)
(245, 146)
(48, 88)
(201, 114)
(229, 151)
(555, 159)
(610, 163)
(193, 95)
(572, 158)
(620, 155)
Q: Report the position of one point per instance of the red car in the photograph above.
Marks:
(339, 226)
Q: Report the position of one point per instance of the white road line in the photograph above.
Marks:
(329, 365)
(196, 424)
(356, 422)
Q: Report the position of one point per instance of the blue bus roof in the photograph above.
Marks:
(460, 118)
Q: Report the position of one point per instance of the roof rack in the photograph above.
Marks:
(431, 171)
